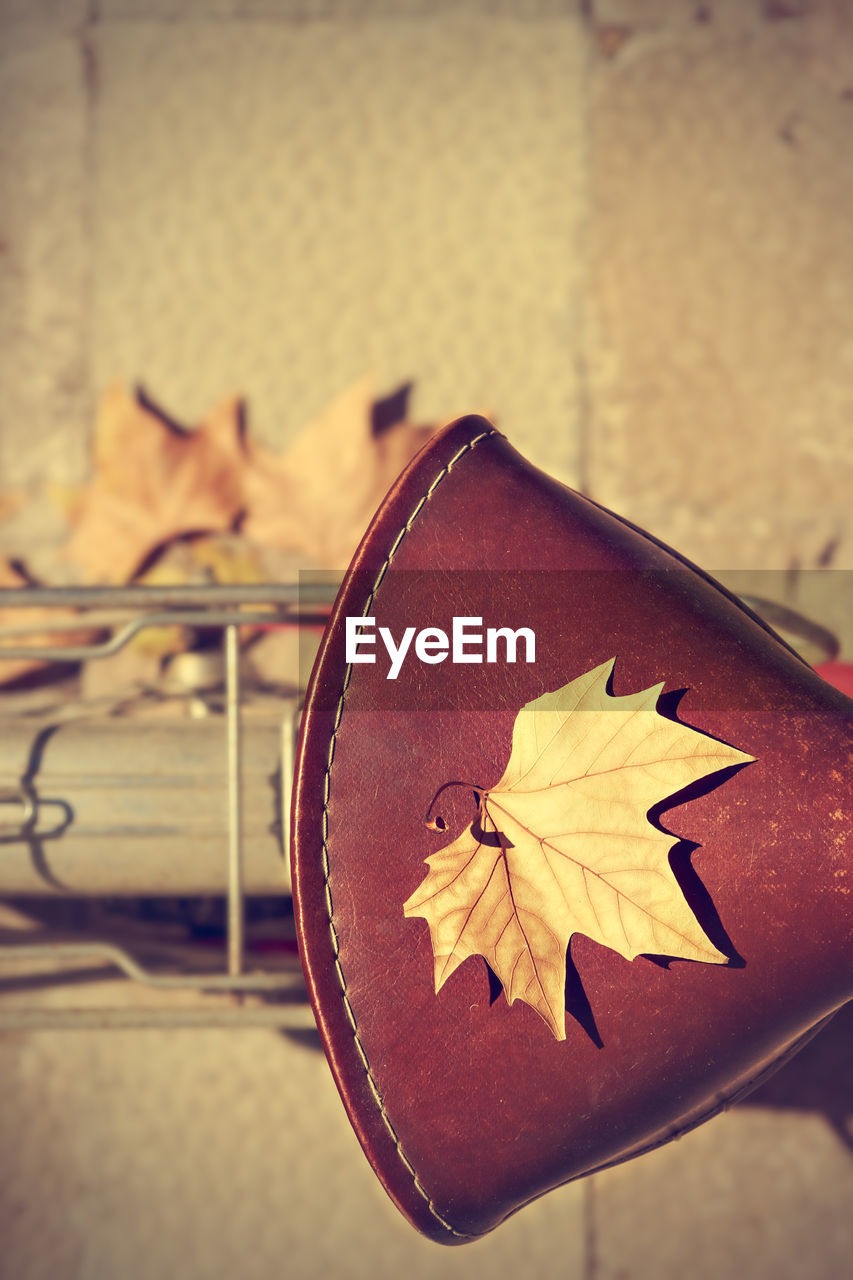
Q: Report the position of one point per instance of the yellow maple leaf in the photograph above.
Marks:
(562, 844)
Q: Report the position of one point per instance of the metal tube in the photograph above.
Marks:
(132, 806)
(103, 649)
(101, 619)
(235, 815)
(15, 952)
(821, 639)
(287, 593)
(106, 1019)
(28, 809)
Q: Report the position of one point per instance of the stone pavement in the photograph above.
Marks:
(620, 227)
(219, 1154)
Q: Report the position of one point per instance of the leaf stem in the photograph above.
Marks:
(437, 823)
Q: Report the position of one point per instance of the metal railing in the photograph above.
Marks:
(274, 992)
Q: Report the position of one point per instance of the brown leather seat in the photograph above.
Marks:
(468, 1107)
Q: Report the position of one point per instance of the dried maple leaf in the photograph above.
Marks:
(316, 499)
(154, 482)
(562, 845)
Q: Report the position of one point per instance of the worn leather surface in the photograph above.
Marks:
(468, 1108)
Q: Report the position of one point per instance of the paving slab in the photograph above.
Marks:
(213, 1155)
(44, 252)
(340, 10)
(281, 207)
(762, 1191)
(720, 360)
(58, 14)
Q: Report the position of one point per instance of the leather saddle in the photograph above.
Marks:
(468, 1106)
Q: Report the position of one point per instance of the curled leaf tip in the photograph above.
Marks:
(437, 823)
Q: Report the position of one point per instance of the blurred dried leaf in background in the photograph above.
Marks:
(173, 506)
(153, 482)
(316, 499)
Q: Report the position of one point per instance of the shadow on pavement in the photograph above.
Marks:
(819, 1079)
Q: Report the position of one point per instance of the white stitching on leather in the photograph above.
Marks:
(339, 710)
